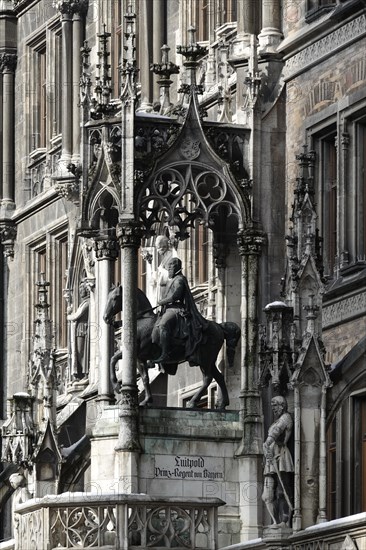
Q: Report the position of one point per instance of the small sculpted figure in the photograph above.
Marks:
(278, 469)
(179, 317)
(80, 328)
(166, 253)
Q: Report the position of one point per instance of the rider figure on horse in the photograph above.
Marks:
(179, 317)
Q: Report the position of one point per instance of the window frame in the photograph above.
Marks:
(317, 8)
(321, 139)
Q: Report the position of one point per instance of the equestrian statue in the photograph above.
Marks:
(178, 333)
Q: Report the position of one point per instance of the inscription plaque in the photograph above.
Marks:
(205, 468)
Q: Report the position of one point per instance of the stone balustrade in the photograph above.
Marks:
(107, 521)
(348, 533)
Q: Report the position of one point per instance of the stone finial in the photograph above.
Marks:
(192, 52)
(101, 102)
(164, 70)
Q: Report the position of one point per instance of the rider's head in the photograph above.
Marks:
(174, 267)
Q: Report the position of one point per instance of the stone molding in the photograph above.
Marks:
(344, 309)
(319, 50)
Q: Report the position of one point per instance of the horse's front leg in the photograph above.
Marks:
(143, 370)
(207, 379)
(222, 401)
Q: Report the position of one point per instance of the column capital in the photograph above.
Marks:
(8, 62)
(8, 234)
(250, 242)
(65, 7)
(106, 249)
(129, 233)
(79, 7)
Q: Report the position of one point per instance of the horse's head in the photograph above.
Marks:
(114, 303)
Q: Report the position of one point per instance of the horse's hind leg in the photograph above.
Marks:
(222, 401)
(143, 370)
(207, 379)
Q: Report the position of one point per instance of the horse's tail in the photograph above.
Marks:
(232, 334)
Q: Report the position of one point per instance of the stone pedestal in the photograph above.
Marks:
(277, 536)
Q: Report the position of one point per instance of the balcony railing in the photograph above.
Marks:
(125, 522)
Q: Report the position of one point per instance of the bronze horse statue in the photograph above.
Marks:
(205, 354)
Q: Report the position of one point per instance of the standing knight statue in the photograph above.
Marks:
(278, 468)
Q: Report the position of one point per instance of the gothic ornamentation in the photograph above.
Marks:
(220, 252)
(8, 62)
(129, 234)
(129, 70)
(101, 106)
(8, 234)
(164, 70)
(250, 242)
(96, 522)
(313, 54)
(129, 399)
(85, 78)
(277, 351)
(68, 190)
(18, 431)
(190, 149)
(106, 249)
(231, 146)
(164, 199)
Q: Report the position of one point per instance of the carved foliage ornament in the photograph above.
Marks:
(8, 62)
(129, 234)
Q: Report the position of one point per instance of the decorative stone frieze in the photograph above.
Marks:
(344, 309)
(320, 49)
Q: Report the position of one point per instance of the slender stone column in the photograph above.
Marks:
(297, 517)
(270, 35)
(342, 221)
(246, 17)
(129, 234)
(250, 452)
(106, 252)
(158, 40)
(145, 57)
(65, 8)
(77, 29)
(322, 514)
(7, 67)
